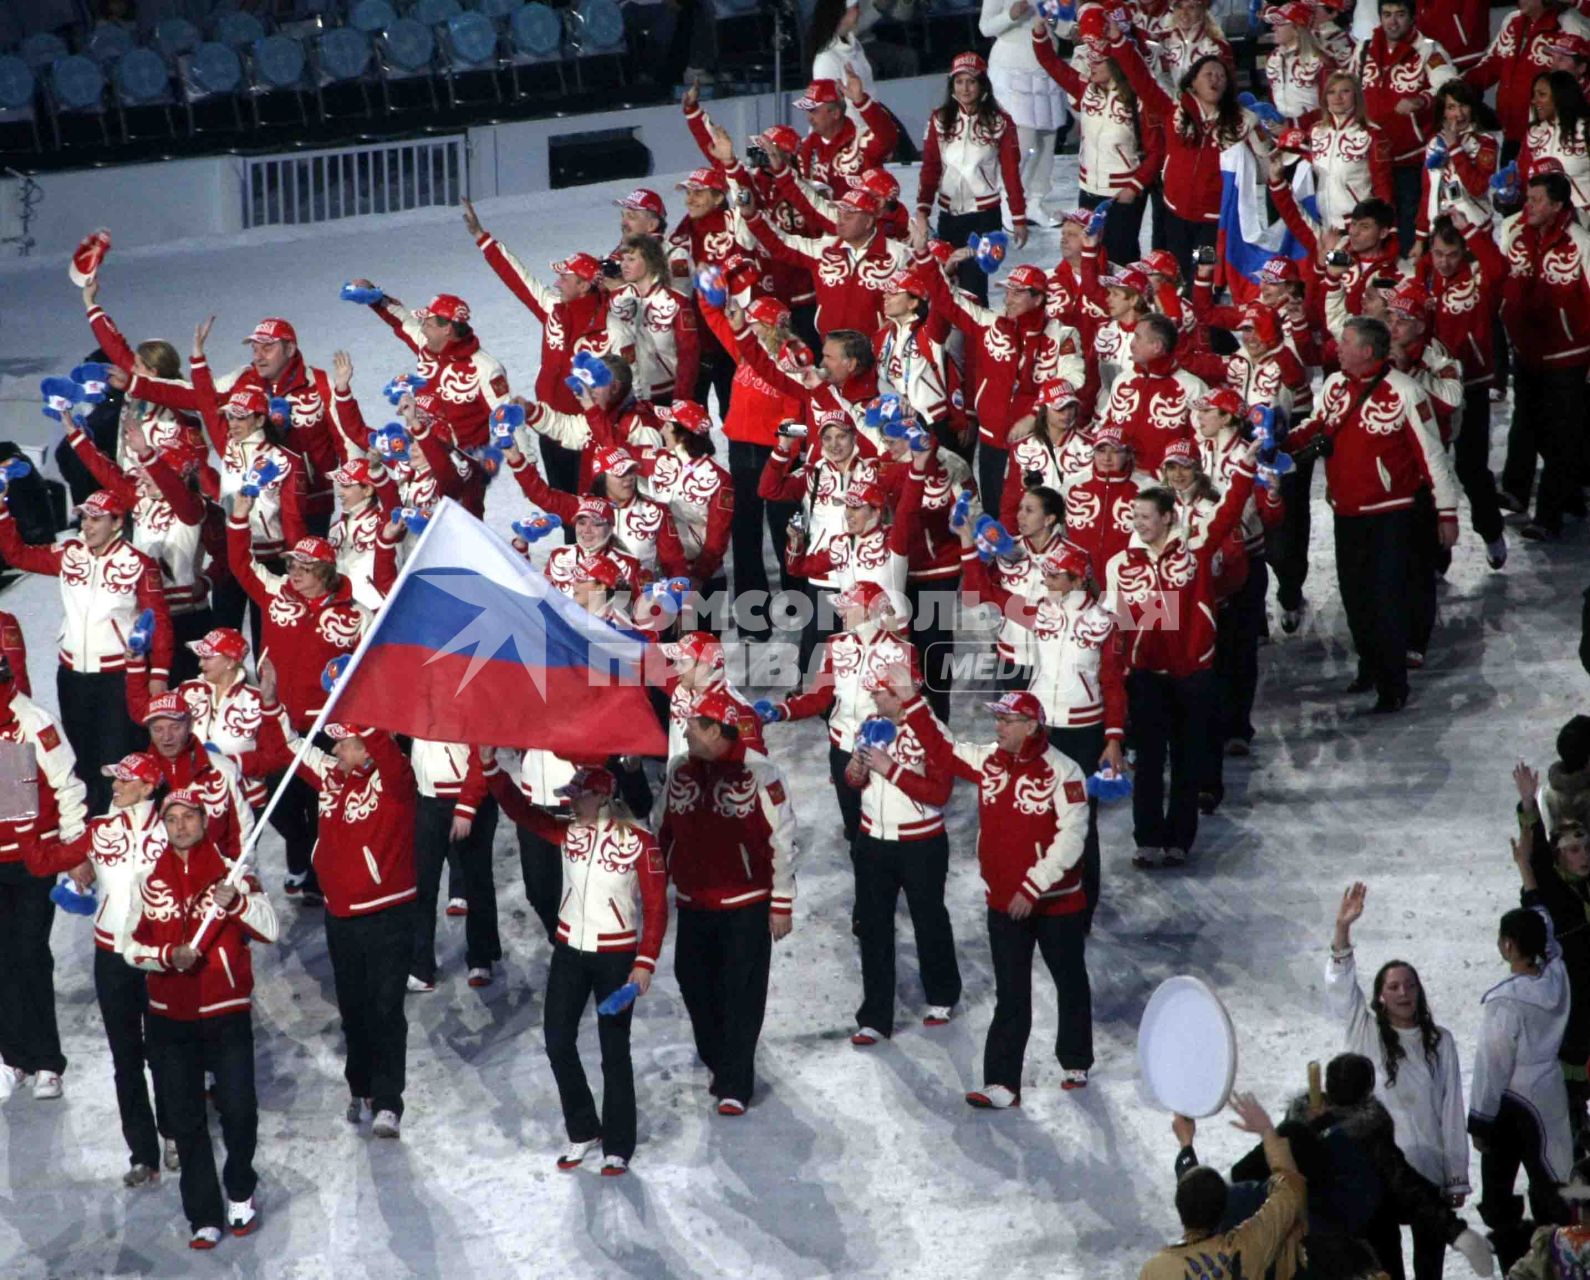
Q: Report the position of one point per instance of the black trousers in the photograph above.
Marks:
(1239, 623)
(821, 622)
(94, 716)
(1123, 227)
(933, 632)
(1062, 941)
(1184, 239)
(953, 229)
(561, 467)
(1372, 572)
(751, 515)
(180, 1053)
(1156, 201)
(433, 822)
(992, 463)
(848, 796)
(715, 374)
(1515, 1141)
(1170, 721)
(885, 868)
(541, 863)
(1286, 545)
(1549, 416)
(123, 1002)
(1471, 458)
(29, 1039)
(721, 963)
(369, 967)
(1384, 1236)
(185, 627)
(1424, 558)
(296, 818)
(1085, 744)
(574, 978)
(1407, 181)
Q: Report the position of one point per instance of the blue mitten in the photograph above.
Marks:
(710, 286)
(505, 420)
(537, 526)
(620, 1000)
(1100, 215)
(587, 373)
(94, 378)
(405, 384)
(365, 295)
(70, 899)
(1436, 156)
(261, 475)
(1504, 185)
(917, 439)
(281, 412)
(412, 518)
(60, 394)
(768, 711)
(142, 633)
(487, 457)
(333, 672)
(989, 251)
(962, 510)
(14, 469)
(1107, 785)
(882, 411)
(876, 731)
(1056, 11)
(992, 540)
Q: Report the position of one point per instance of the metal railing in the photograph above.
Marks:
(354, 182)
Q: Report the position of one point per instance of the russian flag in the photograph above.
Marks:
(473, 645)
(1247, 238)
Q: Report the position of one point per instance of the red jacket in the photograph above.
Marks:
(1461, 27)
(1165, 601)
(1386, 446)
(228, 817)
(62, 810)
(1473, 161)
(1466, 304)
(1099, 516)
(15, 648)
(175, 897)
(1400, 73)
(817, 402)
(468, 382)
(1032, 814)
(1520, 51)
(850, 286)
(728, 834)
(1546, 293)
(1153, 406)
(756, 406)
(300, 636)
(838, 162)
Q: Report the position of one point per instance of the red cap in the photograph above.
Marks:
(1057, 394)
(645, 200)
(797, 353)
(1181, 451)
(429, 405)
(1296, 13)
(167, 706)
(817, 93)
(272, 329)
(782, 137)
(940, 250)
(1263, 321)
(355, 472)
(91, 251)
(1279, 271)
(699, 647)
(246, 401)
(579, 264)
(1222, 398)
(140, 766)
(187, 797)
(338, 732)
(445, 306)
(768, 311)
(718, 705)
(1081, 217)
(910, 280)
(860, 201)
(1410, 299)
(313, 550)
(1570, 44)
(1018, 702)
(1110, 433)
(1129, 278)
(222, 642)
(1092, 25)
(881, 183)
(1027, 276)
(592, 508)
(865, 493)
(598, 569)
(588, 780)
(968, 62)
(704, 179)
(613, 462)
(102, 502)
(687, 414)
(1064, 557)
(1162, 262)
(864, 594)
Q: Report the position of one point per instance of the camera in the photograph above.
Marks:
(1319, 446)
(798, 526)
(612, 269)
(1205, 256)
(756, 156)
(1338, 258)
(1031, 479)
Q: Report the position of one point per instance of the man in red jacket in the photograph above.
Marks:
(199, 1017)
(1518, 53)
(835, 153)
(728, 831)
(1032, 818)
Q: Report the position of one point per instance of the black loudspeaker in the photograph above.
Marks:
(604, 155)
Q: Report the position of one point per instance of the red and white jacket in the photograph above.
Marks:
(123, 847)
(1545, 140)
(906, 803)
(1165, 599)
(615, 883)
(62, 807)
(1099, 515)
(1221, 457)
(232, 718)
(102, 595)
(637, 524)
(1153, 406)
(1274, 378)
(932, 549)
(970, 166)
(1411, 70)
(448, 771)
(1466, 304)
(175, 896)
(698, 496)
(1440, 377)
(633, 425)
(727, 830)
(1076, 658)
(682, 704)
(217, 779)
(909, 357)
(820, 487)
(839, 689)
(850, 282)
(354, 535)
(879, 555)
(838, 162)
(300, 636)
(162, 426)
(1386, 445)
(565, 563)
(468, 382)
(1295, 80)
(1473, 162)
(661, 323)
(1461, 27)
(1115, 154)
(566, 327)
(1032, 814)
(1520, 51)
(1351, 161)
(1036, 460)
(1176, 50)
(1546, 293)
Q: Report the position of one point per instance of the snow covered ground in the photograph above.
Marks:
(850, 1162)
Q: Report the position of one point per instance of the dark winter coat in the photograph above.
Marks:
(1567, 901)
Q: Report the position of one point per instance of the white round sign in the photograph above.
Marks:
(1187, 1048)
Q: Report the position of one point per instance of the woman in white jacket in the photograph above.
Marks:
(835, 47)
(1518, 1103)
(1418, 1077)
(1035, 102)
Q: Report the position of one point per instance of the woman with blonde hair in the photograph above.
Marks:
(1351, 158)
(1298, 66)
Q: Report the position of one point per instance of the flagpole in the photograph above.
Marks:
(235, 876)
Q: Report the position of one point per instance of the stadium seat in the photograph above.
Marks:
(406, 51)
(372, 16)
(276, 66)
(341, 57)
(107, 42)
(535, 37)
(499, 10)
(596, 30)
(470, 44)
(75, 86)
(17, 88)
(175, 37)
(435, 13)
(142, 79)
(237, 28)
(41, 50)
(213, 70)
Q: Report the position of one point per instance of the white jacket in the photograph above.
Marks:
(57, 763)
(911, 366)
(230, 719)
(689, 488)
(1339, 151)
(1545, 141)
(1057, 467)
(848, 656)
(1522, 1020)
(649, 319)
(1012, 49)
(1426, 1099)
(123, 846)
(1295, 81)
(354, 537)
(824, 502)
(1109, 153)
(540, 775)
(887, 812)
(971, 177)
(439, 771)
(601, 906)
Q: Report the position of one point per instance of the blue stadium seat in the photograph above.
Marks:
(237, 28)
(372, 16)
(175, 37)
(108, 41)
(76, 86)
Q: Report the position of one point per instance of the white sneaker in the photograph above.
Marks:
(11, 1079)
(1147, 858)
(614, 1166)
(205, 1238)
(864, 1036)
(1175, 857)
(1073, 1078)
(46, 1086)
(169, 1156)
(1475, 1250)
(386, 1124)
(241, 1215)
(937, 1015)
(994, 1097)
(418, 986)
(480, 977)
(574, 1154)
(457, 907)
